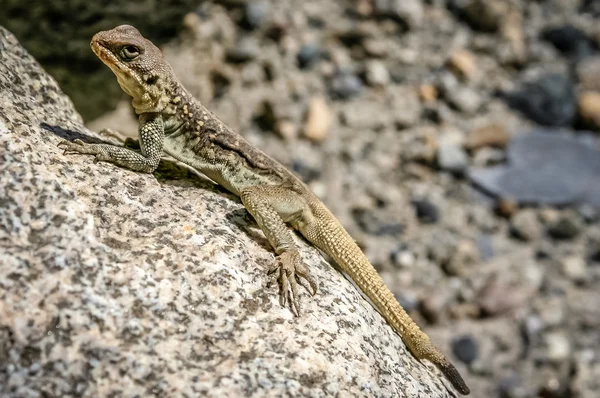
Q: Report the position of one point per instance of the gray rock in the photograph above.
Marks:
(544, 167)
(408, 12)
(376, 73)
(120, 283)
(451, 156)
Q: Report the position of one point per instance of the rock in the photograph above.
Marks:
(588, 73)
(308, 55)
(305, 171)
(256, 13)
(486, 15)
(557, 347)
(544, 167)
(370, 116)
(405, 104)
(464, 99)
(526, 226)
(428, 93)
(565, 228)
(495, 135)
(574, 268)
(286, 129)
(549, 100)
(451, 157)
(376, 73)
(463, 63)
(465, 255)
(118, 283)
(434, 305)
(488, 157)
(485, 246)
(497, 297)
(376, 223)
(345, 85)
(408, 12)
(402, 258)
(466, 349)
(571, 41)
(589, 109)
(318, 121)
(427, 212)
(246, 49)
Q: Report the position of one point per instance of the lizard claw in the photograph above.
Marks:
(291, 269)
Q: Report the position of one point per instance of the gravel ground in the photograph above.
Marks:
(390, 110)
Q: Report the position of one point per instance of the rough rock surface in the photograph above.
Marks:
(114, 283)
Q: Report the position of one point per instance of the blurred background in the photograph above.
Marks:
(456, 140)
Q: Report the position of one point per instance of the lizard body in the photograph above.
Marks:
(171, 121)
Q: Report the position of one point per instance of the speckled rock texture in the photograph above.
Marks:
(114, 283)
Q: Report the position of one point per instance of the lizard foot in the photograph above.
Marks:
(291, 269)
(78, 146)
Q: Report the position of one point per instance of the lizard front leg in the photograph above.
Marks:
(151, 134)
(272, 207)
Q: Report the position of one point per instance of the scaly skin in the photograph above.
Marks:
(173, 122)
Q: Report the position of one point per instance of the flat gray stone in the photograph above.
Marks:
(547, 167)
(116, 283)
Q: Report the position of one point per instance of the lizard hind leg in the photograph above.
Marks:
(272, 207)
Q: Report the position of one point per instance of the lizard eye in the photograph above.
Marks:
(129, 53)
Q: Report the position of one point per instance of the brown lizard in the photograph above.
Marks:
(173, 122)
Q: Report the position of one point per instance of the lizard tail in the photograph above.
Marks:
(330, 236)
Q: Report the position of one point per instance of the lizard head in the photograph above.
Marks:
(139, 65)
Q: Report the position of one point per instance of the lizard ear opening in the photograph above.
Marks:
(151, 79)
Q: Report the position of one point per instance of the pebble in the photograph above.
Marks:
(558, 347)
(408, 12)
(318, 121)
(451, 156)
(427, 212)
(256, 13)
(308, 55)
(376, 73)
(575, 268)
(465, 349)
(495, 135)
(375, 223)
(570, 41)
(345, 85)
(526, 226)
(463, 63)
(488, 156)
(245, 50)
(465, 254)
(588, 73)
(464, 99)
(589, 109)
(428, 93)
(550, 100)
(497, 298)
(565, 228)
(486, 15)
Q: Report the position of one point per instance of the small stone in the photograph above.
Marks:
(466, 349)
(549, 100)
(495, 135)
(486, 15)
(526, 226)
(571, 41)
(488, 157)
(464, 99)
(427, 212)
(575, 268)
(589, 109)
(428, 93)
(558, 347)
(463, 63)
(532, 326)
(345, 85)
(308, 55)
(451, 157)
(376, 223)
(376, 73)
(433, 306)
(286, 129)
(256, 13)
(402, 258)
(304, 171)
(465, 255)
(318, 121)
(588, 73)
(565, 228)
(245, 50)
(408, 12)
(497, 298)
(485, 245)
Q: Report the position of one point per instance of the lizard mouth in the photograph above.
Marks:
(112, 61)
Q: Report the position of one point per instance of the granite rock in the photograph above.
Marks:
(115, 283)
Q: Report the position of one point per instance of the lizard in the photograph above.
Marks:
(173, 122)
